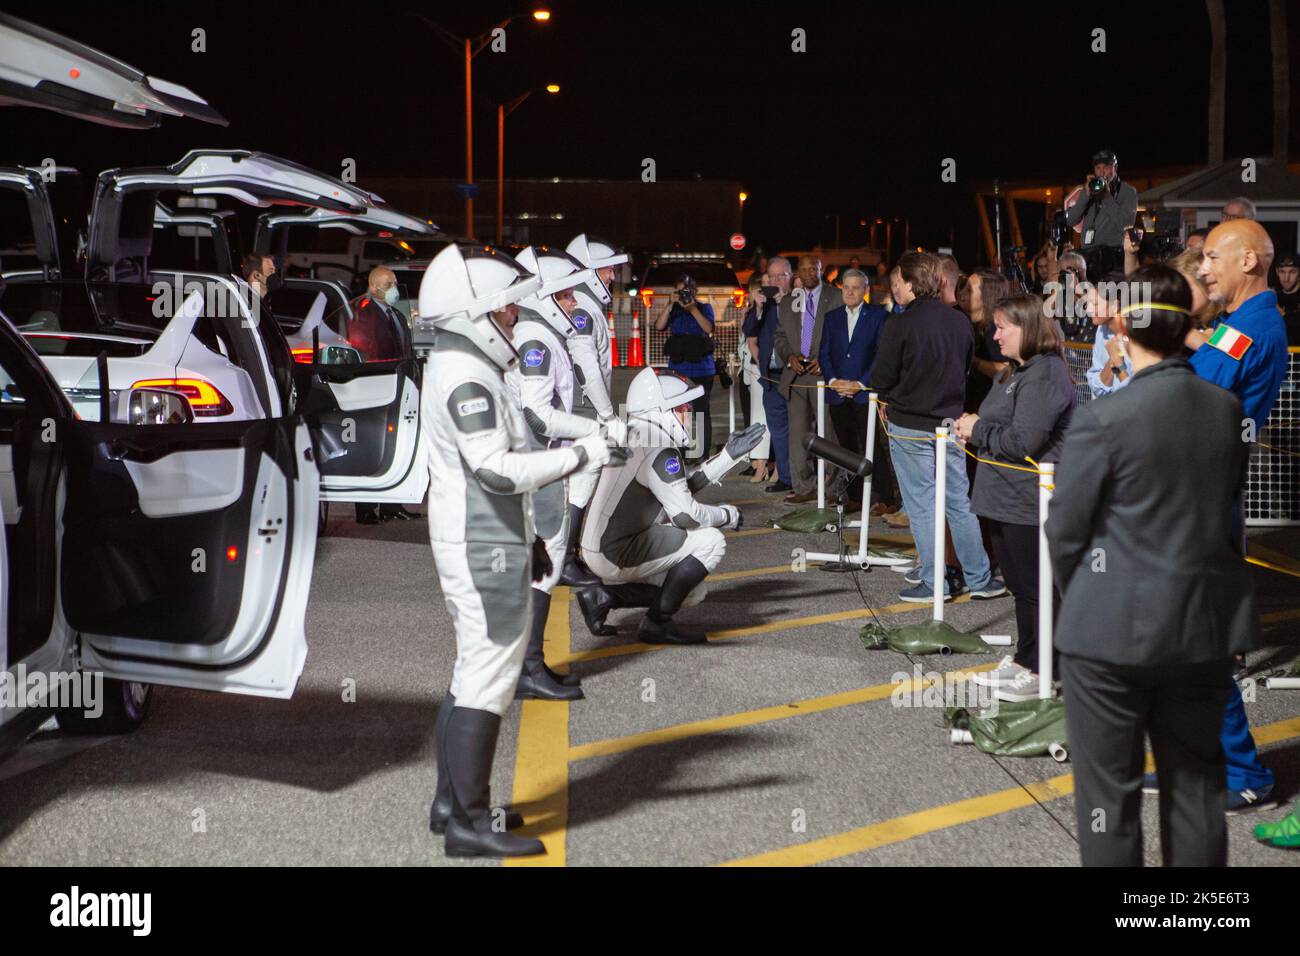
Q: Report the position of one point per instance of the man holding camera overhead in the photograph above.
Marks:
(1106, 206)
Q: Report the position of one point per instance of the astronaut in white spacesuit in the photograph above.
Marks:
(651, 543)
(481, 528)
(542, 386)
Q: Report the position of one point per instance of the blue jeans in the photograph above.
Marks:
(1245, 772)
(914, 466)
(778, 426)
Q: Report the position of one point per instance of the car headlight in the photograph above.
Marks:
(150, 406)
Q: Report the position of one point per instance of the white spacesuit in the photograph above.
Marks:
(645, 535)
(481, 528)
(542, 386)
(590, 350)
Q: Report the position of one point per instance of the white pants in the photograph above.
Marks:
(486, 591)
(763, 450)
(707, 545)
(582, 485)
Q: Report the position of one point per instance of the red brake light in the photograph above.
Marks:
(204, 397)
(232, 553)
(647, 297)
(302, 355)
(738, 298)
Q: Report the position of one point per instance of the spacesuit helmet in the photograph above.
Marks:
(559, 273)
(653, 397)
(596, 254)
(463, 286)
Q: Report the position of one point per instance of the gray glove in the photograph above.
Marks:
(742, 443)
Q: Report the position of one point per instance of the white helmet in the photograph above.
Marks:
(596, 254)
(558, 271)
(653, 395)
(461, 289)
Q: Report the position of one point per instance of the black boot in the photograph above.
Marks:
(440, 811)
(537, 681)
(657, 626)
(596, 603)
(473, 829)
(574, 573)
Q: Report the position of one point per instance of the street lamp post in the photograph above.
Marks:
(504, 110)
(473, 47)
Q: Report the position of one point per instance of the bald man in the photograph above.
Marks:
(380, 333)
(1246, 354)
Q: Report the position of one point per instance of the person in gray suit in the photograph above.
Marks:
(1156, 595)
(797, 341)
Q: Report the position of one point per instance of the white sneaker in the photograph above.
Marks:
(1007, 671)
(1024, 687)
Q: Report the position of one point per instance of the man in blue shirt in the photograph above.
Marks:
(1246, 354)
(846, 354)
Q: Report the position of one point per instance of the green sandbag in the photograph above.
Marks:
(925, 637)
(811, 521)
(1015, 729)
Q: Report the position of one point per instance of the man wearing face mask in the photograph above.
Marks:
(260, 273)
(380, 333)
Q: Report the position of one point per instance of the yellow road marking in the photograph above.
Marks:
(1281, 562)
(911, 825)
(748, 532)
(541, 787)
(619, 650)
(748, 718)
(751, 573)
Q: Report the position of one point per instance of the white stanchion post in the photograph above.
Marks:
(732, 370)
(940, 494)
(1045, 482)
(872, 400)
(821, 433)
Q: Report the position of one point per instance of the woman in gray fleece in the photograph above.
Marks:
(1023, 417)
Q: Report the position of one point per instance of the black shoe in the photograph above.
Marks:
(778, 487)
(595, 603)
(575, 575)
(397, 512)
(440, 814)
(666, 632)
(746, 472)
(568, 680)
(473, 830)
(539, 685)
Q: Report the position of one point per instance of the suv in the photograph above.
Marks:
(716, 284)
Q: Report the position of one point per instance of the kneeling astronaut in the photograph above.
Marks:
(481, 528)
(645, 536)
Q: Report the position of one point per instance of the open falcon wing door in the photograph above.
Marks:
(25, 198)
(43, 69)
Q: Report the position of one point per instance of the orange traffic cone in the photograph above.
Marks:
(613, 343)
(634, 356)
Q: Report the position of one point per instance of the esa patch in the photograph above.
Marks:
(536, 358)
(669, 465)
(472, 408)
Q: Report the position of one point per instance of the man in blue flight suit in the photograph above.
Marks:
(1246, 354)
(760, 327)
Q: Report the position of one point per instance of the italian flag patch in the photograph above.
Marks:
(1228, 340)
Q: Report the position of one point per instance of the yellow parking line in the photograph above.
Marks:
(748, 718)
(751, 573)
(947, 815)
(619, 650)
(541, 787)
(748, 532)
(1280, 561)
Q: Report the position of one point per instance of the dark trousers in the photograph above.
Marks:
(701, 407)
(850, 422)
(778, 426)
(1108, 710)
(1015, 548)
(802, 405)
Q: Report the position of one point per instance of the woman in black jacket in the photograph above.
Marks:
(1023, 417)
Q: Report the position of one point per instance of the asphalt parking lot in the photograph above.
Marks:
(776, 742)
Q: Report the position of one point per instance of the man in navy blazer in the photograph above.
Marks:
(846, 354)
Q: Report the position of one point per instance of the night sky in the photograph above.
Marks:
(857, 126)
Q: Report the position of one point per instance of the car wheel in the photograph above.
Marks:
(126, 705)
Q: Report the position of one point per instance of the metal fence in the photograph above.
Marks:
(726, 328)
(1272, 495)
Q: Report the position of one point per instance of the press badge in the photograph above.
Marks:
(1087, 237)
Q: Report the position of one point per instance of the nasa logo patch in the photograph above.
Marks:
(579, 320)
(533, 357)
(673, 466)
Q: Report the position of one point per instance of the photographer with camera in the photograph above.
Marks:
(1105, 206)
(690, 349)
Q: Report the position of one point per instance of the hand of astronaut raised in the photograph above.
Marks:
(615, 429)
(741, 443)
(734, 518)
(541, 560)
(595, 448)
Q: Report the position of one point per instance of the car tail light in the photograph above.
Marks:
(302, 356)
(647, 297)
(738, 298)
(203, 396)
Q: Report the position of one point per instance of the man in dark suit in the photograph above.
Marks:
(797, 342)
(848, 350)
(760, 328)
(1147, 633)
